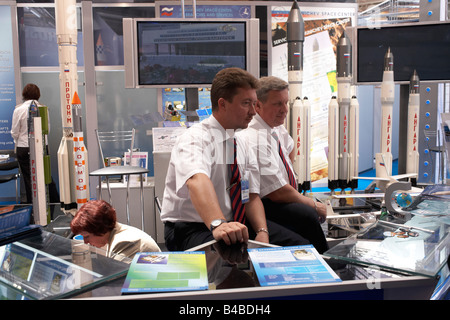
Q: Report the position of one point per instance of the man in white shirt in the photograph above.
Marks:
(19, 132)
(279, 189)
(199, 198)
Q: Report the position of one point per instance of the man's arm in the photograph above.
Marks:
(254, 212)
(287, 194)
(204, 199)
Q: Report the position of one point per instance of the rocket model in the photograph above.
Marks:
(39, 162)
(66, 32)
(383, 160)
(79, 153)
(299, 116)
(343, 125)
(412, 142)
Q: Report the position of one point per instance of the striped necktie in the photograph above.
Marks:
(290, 174)
(235, 191)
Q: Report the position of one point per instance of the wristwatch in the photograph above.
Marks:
(216, 223)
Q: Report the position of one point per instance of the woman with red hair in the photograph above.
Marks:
(96, 221)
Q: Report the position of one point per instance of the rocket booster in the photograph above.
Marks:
(79, 153)
(344, 77)
(412, 142)
(384, 162)
(66, 32)
(295, 38)
(333, 144)
(298, 123)
(343, 124)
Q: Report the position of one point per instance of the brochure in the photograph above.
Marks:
(166, 271)
(290, 265)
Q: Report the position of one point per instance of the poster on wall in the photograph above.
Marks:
(7, 84)
(324, 25)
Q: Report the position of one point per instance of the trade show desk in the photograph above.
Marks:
(375, 263)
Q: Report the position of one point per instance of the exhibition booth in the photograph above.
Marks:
(368, 102)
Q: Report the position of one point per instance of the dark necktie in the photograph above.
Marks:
(290, 174)
(235, 191)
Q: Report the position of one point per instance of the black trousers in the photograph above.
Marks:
(299, 218)
(23, 157)
(180, 236)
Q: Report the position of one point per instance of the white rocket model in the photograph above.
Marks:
(37, 168)
(79, 154)
(343, 124)
(412, 142)
(66, 32)
(383, 160)
(299, 116)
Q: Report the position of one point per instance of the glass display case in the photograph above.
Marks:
(48, 266)
(418, 246)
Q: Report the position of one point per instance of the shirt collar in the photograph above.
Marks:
(226, 134)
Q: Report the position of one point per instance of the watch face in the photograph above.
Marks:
(216, 223)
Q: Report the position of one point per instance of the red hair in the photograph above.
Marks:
(96, 217)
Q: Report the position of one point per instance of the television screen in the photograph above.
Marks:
(421, 47)
(191, 52)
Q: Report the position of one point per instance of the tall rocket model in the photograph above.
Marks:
(412, 142)
(79, 153)
(299, 116)
(343, 126)
(66, 32)
(39, 162)
(383, 160)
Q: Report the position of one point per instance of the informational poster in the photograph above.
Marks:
(7, 84)
(290, 265)
(324, 26)
(166, 271)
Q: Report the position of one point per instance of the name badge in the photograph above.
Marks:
(245, 189)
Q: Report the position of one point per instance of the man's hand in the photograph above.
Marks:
(231, 232)
(321, 211)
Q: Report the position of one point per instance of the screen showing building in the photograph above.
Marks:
(182, 53)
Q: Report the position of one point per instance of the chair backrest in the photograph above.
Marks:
(118, 141)
(9, 164)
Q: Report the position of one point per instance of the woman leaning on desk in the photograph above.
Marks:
(96, 221)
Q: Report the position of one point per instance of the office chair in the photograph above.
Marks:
(10, 164)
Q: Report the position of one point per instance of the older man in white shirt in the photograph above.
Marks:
(273, 147)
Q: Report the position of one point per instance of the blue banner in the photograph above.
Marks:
(7, 84)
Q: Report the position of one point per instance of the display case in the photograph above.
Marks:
(48, 266)
(418, 246)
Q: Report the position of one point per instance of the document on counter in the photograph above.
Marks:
(166, 271)
(290, 265)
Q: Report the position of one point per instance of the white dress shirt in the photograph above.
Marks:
(260, 136)
(19, 125)
(205, 148)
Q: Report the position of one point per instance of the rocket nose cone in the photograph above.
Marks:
(414, 83)
(389, 60)
(75, 99)
(295, 15)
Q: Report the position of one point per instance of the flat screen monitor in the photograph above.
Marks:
(188, 52)
(424, 47)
